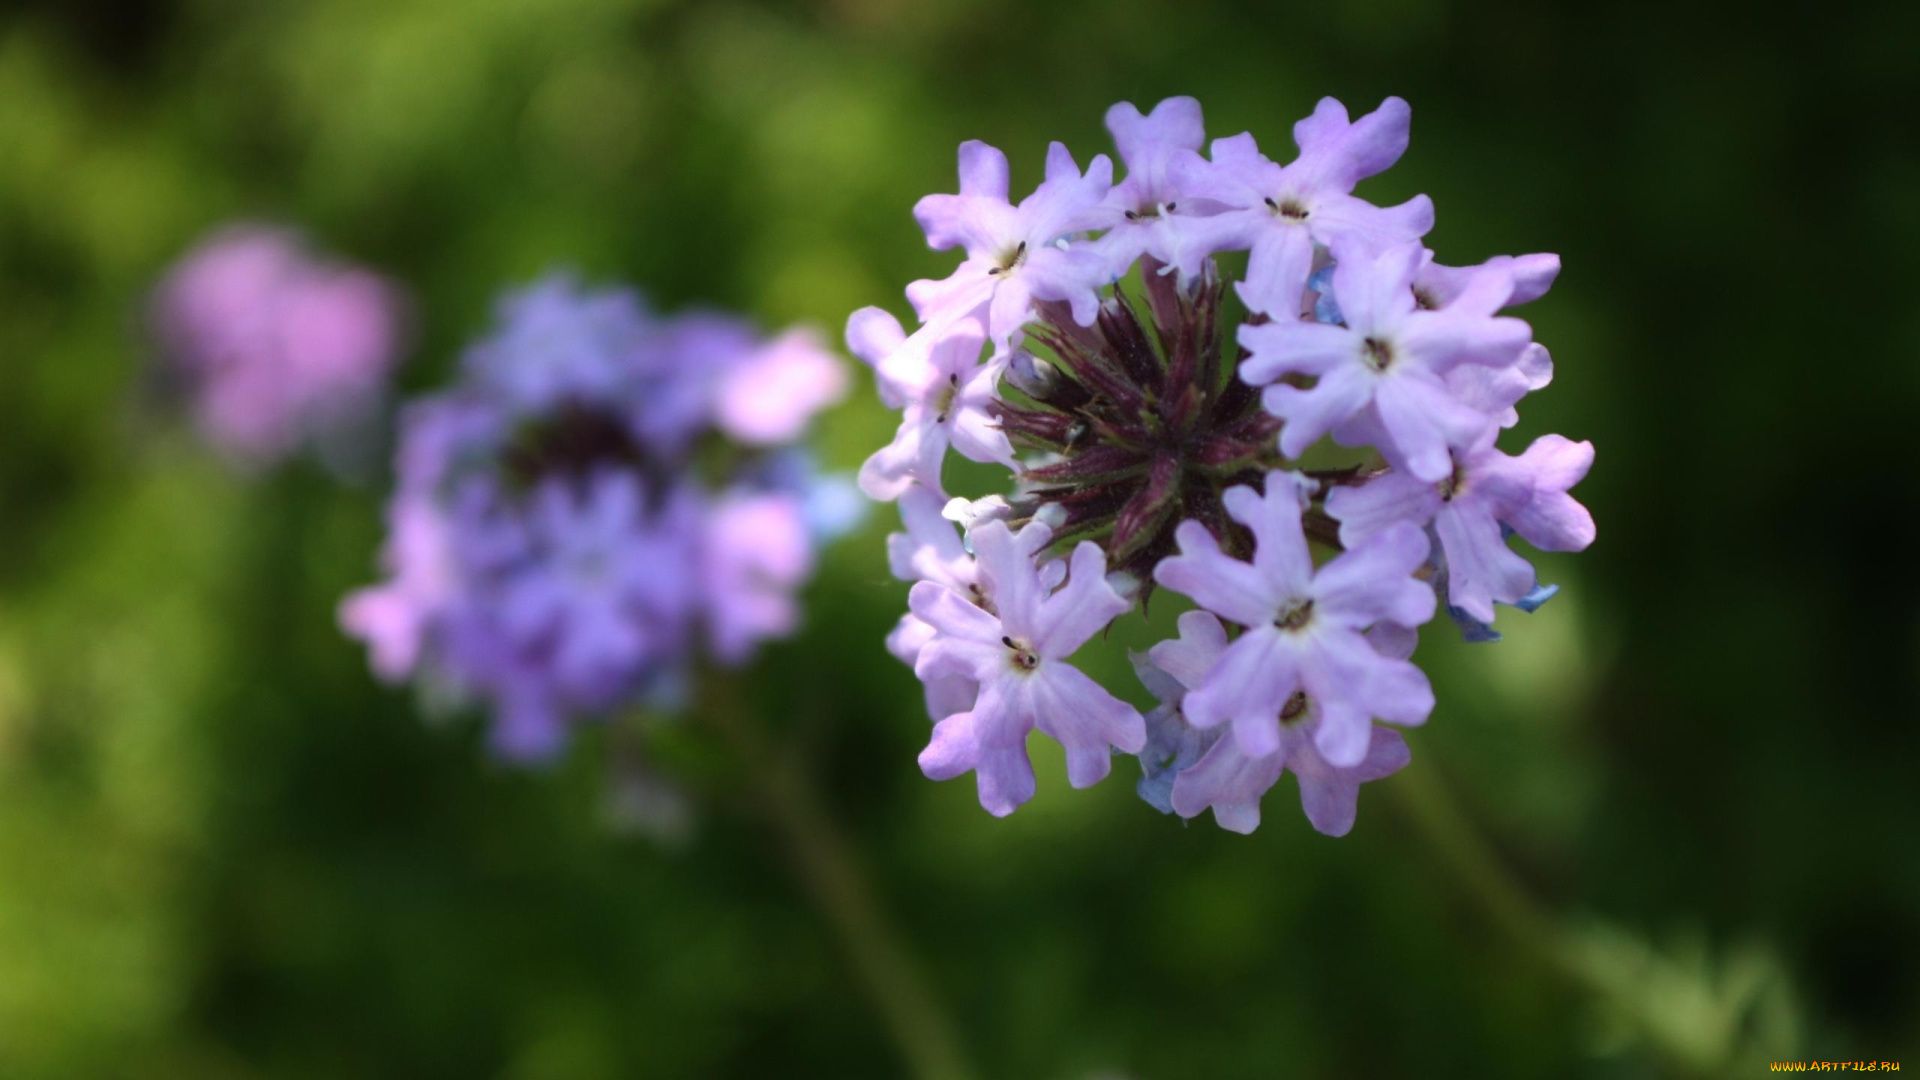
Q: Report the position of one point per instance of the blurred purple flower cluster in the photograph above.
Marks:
(604, 490)
(278, 347)
(1150, 448)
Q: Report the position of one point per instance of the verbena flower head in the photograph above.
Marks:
(602, 497)
(276, 346)
(1158, 438)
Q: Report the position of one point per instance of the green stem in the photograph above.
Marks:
(1538, 931)
(1427, 803)
(831, 873)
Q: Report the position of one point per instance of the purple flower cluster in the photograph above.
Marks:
(1152, 450)
(553, 549)
(277, 346)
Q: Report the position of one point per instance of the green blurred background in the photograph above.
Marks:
(225, 852)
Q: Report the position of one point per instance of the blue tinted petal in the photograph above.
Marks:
(1531, 602)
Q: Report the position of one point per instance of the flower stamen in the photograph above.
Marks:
(1378, 354)
(1012, 262)
(1023, 658)
(946, 398)
(1290, 208)
(1296, 617)
(1295, 709)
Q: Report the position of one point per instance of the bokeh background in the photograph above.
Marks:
(226, 852)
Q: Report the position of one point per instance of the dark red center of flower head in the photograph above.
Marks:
(574, 441)
(1146, 423)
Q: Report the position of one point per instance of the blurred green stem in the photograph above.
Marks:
(1427, 803)
(1544, 935)
(831, 872)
